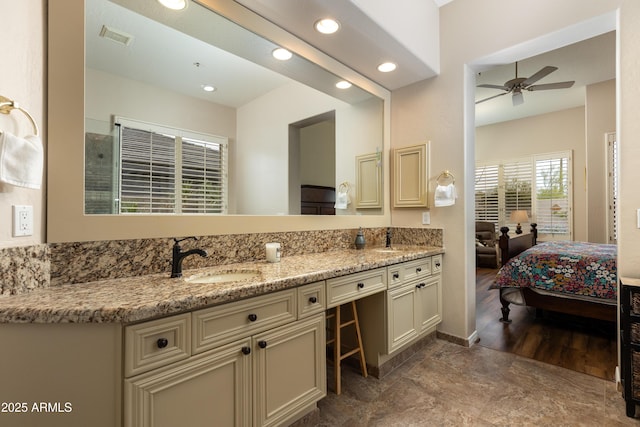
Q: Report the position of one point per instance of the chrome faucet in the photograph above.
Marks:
(179, 256)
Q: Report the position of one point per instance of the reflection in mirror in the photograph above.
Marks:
(146, 71)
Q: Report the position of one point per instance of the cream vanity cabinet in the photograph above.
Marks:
(414, 300)
(256, 362)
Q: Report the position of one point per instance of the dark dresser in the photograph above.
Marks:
(630, 342)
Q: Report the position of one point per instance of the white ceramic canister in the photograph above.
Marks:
(273, 252)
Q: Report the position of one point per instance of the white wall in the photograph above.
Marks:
(263, 142)
(22, 79)
(442, 110)
(546, 133)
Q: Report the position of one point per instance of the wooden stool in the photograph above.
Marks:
(338, 356)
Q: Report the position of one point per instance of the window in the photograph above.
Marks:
(171, 171)
(539, 185)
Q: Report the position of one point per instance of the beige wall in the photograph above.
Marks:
(601, 119)
(472, 33)
(22, 80)
(546, 133)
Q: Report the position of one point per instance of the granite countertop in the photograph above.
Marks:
(138, 298)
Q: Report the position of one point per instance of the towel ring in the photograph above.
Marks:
(446, 175)
(344, 187)
(6, 105)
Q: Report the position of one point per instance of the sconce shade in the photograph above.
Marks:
(519, 217)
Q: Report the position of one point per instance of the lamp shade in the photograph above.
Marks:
(519, 217)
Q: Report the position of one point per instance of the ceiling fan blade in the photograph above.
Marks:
(491, 97)
(540, 74)
(559, 85)
(494, 87)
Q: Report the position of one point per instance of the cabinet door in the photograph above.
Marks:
(429, 300)
(213, 388)
(289, 370)
(410, 177)
(368, 181)
(402, 316)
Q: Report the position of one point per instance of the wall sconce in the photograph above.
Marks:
(518, 217)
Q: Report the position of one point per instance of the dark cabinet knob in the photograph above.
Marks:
(396, 275)
(360, 285)
(246, 350)
(438, 264)
(421, 285)
(313, 300)
(262, 344)
(253, 317)
(418, 270)
(162, 342)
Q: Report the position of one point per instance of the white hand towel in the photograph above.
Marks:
(445, 195)
(342, 200)
(21, 160)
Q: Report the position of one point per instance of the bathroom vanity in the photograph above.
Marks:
(156, 351)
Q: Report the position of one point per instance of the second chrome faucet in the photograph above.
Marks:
(179, 256)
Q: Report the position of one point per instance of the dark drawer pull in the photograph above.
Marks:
(360, 285)
(246, 350)
(253, 317)
(418, 270)
(396, 275)
(313, 300)
(421, 285)
(437, 264)
(162, 342)
(262, 344)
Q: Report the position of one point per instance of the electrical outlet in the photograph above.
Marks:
(22, 220)
(426, 217)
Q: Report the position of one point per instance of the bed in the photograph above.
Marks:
(577, 278)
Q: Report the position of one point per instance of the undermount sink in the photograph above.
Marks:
(223, 276)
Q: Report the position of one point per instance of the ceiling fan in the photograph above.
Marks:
(518, 84)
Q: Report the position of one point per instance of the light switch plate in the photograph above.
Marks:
(22, 220)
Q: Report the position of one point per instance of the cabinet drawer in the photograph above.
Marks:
(311, 299)
(436, 264)
(223, 324)
(354, 286)
(156, 343)
(395, 275)
(635, 302)
(417, 269)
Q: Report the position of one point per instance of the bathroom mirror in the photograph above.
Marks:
(66, 218)
(151, 64)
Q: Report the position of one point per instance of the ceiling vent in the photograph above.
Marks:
(116, 35)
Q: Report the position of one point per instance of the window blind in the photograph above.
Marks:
(517, 187)
(167, 170)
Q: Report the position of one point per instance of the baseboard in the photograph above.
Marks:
(466, 342)
(618, 380)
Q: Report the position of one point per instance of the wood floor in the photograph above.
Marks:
(580, 344)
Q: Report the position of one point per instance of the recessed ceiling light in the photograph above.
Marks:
(327, 26)
(343, 84)
(386, 67)
(281, 54)
(208, 88)
(174, 4)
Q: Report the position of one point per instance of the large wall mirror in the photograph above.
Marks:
(144, 74)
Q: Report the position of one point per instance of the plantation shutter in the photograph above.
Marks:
(553, 195)
(486, 193)
(147, 183)
(516, 180)
(204, 171)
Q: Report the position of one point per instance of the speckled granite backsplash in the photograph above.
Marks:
(24, 268)
(89, 261)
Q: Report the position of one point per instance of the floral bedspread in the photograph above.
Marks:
(576, 268)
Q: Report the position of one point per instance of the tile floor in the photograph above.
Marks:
(450, 385)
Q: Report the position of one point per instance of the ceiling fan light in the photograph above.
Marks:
(517, 98)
